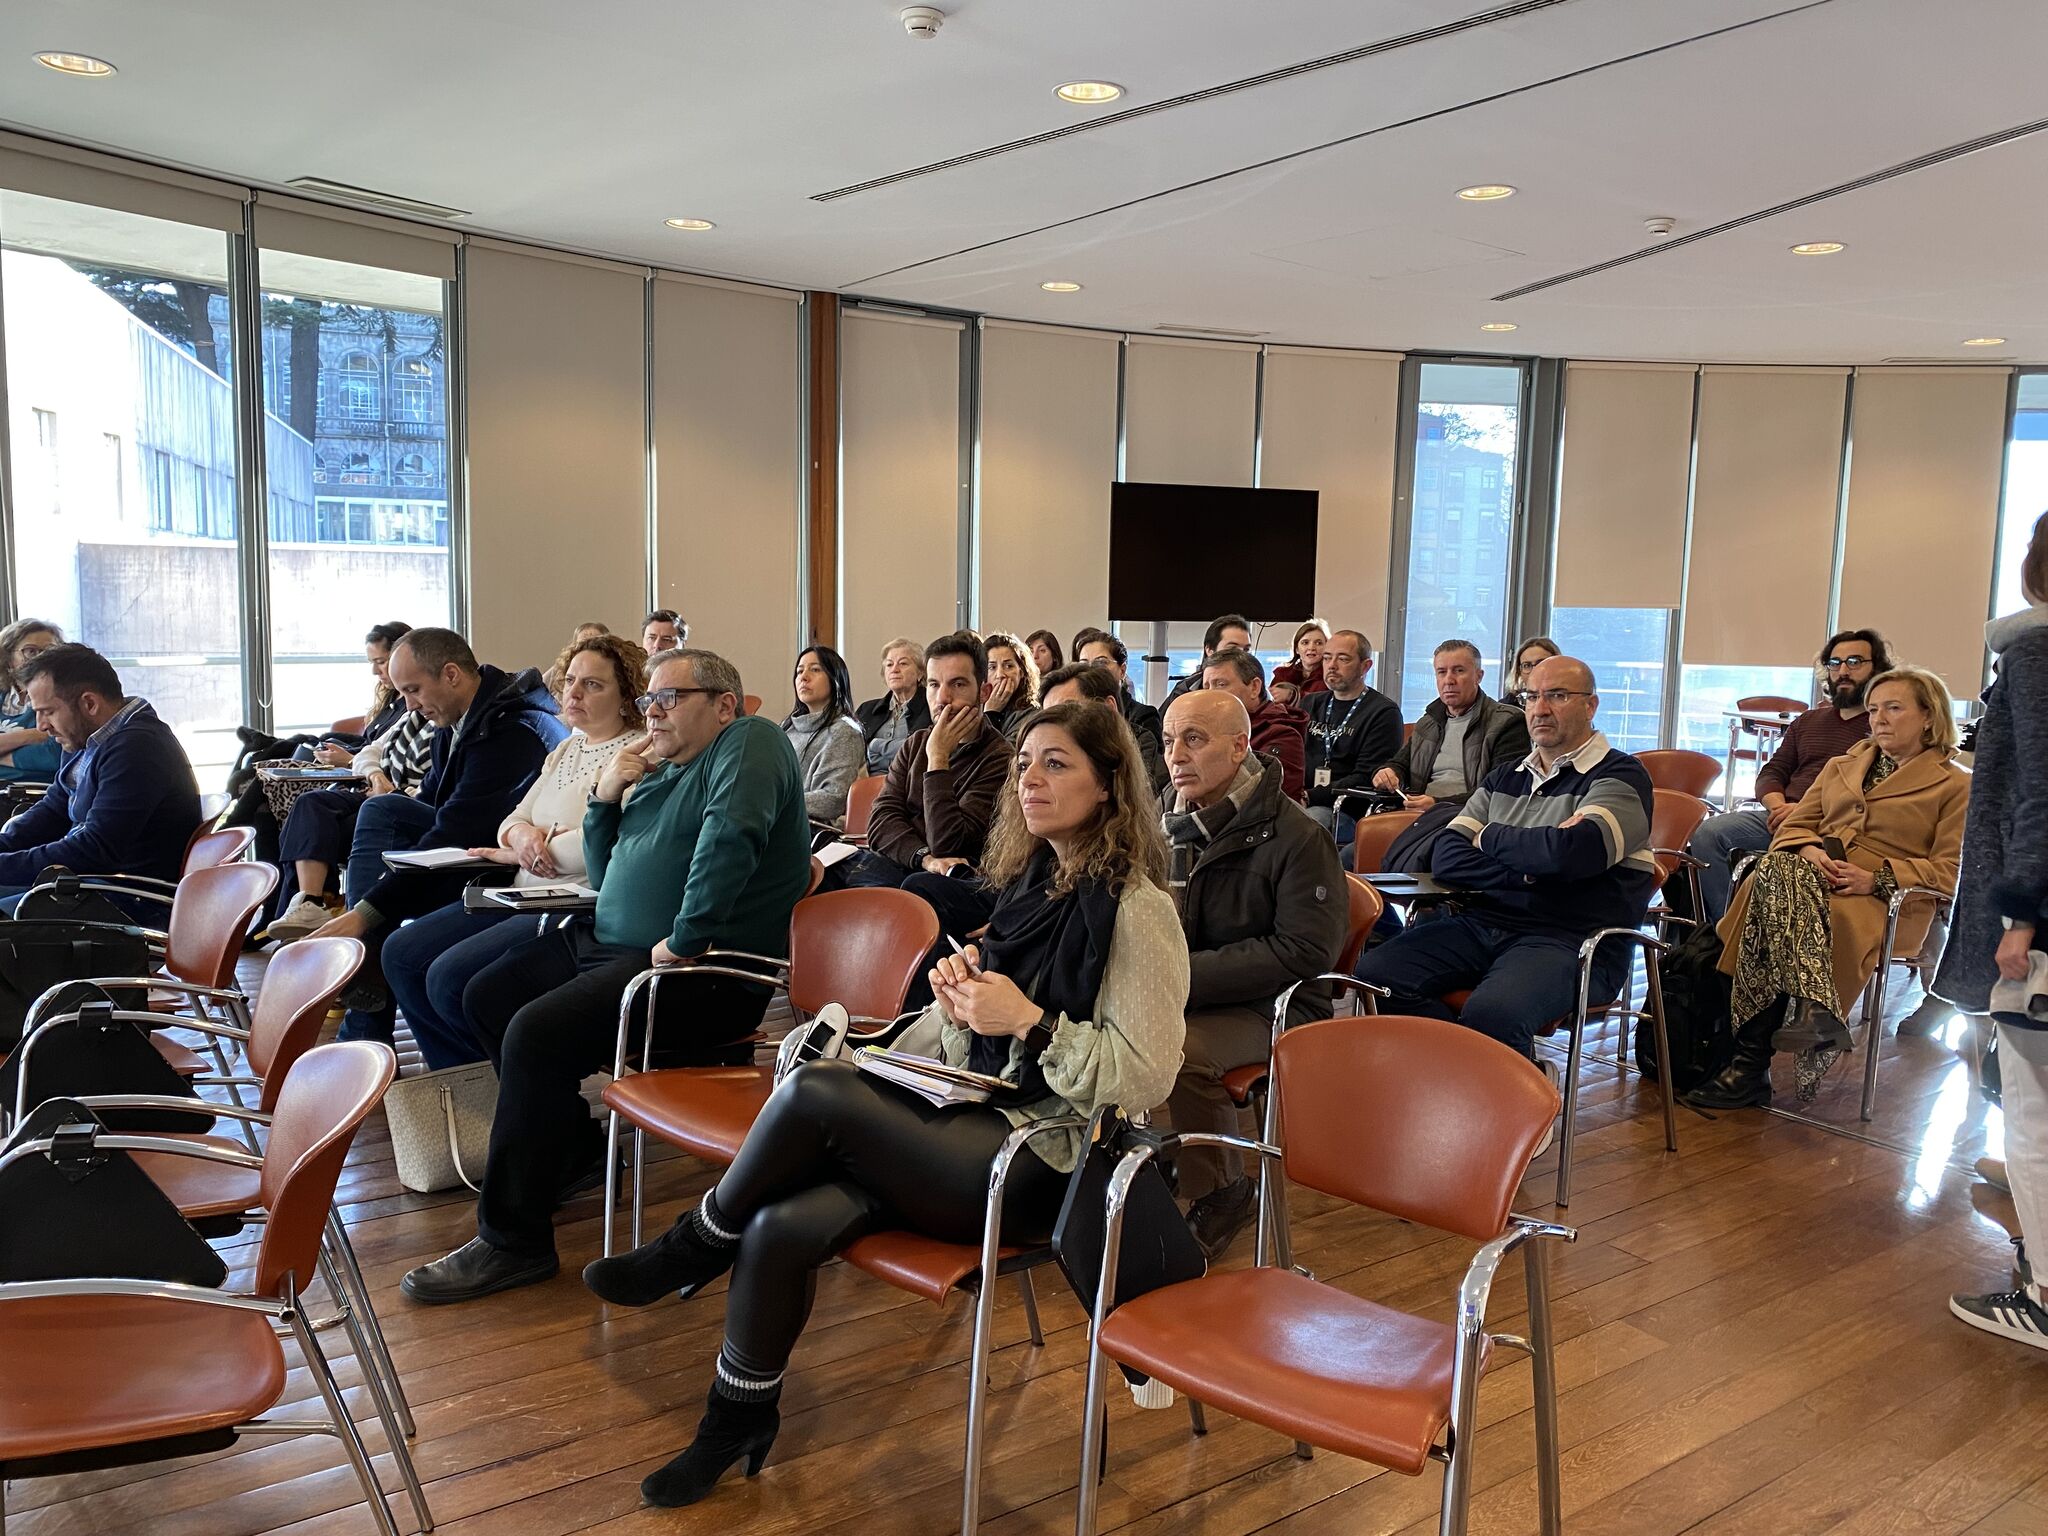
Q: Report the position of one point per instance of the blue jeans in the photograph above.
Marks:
(429, 961)
(1719, 837)
(1520, 981)
(384, 825)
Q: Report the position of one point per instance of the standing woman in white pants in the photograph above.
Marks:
(1994, 962)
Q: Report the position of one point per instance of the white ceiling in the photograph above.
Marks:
(586, 126)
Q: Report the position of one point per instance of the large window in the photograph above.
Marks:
(2026, 488)
(1706, 694)
(1467, 425)
(1625, 647)
(359, 486)
(122, 406)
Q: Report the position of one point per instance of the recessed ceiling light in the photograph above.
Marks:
(1492, 192)
(693, 225)
(1498, 325)
(1985, 341)
(1061, 287)
(1088, 93)
(1819, 248)
(75, 64)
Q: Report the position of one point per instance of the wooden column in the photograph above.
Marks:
(822, 453)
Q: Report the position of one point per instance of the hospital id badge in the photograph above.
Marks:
(1322, 778)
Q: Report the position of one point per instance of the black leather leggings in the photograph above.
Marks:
(837, 1153)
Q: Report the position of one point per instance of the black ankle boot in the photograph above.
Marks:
(1745, 1083)
(682, 1260)
(729, 1430)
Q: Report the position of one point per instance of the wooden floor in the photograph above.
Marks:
(1753, 1339)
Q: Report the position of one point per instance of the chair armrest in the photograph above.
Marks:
(1599, 936)
(649, 981)
(1680, 855)
(161, 1021)
(175, 1102)
(1477, 1285)
(103, 1141)
(1372, 992)
(1943, 900)
(161, 1290)
(140, 886)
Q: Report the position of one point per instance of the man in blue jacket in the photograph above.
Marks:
(492, 734)
(124, 800)
(1551, 849)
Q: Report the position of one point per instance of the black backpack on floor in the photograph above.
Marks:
(1696, 1013)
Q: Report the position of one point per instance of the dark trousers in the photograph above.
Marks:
(429, 963)
(837, 1154)
(383, 825)
(1520, 982)
(321, 825)
(547, 1012)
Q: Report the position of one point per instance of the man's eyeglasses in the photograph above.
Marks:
(669, 698)
(1837, 663)
(1551, 696)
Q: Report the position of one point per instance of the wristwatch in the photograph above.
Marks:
(1039, 1035)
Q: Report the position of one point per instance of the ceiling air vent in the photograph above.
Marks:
(1950, 362)
(343, 192)
(1209, 330)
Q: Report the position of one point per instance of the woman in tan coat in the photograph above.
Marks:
(1803, 933)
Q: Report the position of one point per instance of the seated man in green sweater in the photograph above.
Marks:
(710, 850)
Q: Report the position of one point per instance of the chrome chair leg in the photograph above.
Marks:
(611, 1178)
(352, 1272)
(1198, 1421)
(1567, 1132)
(1543, 1364)
(344, 1426)
(1653, 976)
(380, 1395)
(1029, 1295)
(639, 1181)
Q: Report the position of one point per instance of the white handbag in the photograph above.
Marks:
(441, 1126)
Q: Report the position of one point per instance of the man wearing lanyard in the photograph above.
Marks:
(1353, 730)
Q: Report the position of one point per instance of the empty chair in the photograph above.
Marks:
(1692, 773)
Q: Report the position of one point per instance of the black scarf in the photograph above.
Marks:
(1055, 948)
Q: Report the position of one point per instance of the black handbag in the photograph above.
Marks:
(1158, 1248)
(37, 954)
(76, 1211)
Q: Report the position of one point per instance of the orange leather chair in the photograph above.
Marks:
(111, 1372)
(1374, 836)
(1691, 773)
(1674, 818)
(1418, 1118)
(860, 804)
(861, 949)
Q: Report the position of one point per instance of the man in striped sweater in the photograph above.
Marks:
(1550, 849)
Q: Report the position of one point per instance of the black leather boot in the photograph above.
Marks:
(729, 1430)
(681, 1260)
(1745, 1083)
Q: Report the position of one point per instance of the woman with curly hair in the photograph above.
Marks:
(429, 961)
(1012, 682)
(1075, 995)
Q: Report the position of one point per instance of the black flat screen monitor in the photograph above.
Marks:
(1194, 551)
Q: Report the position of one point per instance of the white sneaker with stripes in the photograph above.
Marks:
(2009, 1314)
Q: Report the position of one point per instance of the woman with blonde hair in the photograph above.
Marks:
(1803, 932)
(1074, 995)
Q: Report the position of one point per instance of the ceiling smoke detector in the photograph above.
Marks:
(922, 21)
(1660, 227)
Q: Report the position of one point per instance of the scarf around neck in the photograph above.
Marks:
(1055, 948)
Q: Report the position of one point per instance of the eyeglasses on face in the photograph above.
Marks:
(1837, 663)
(667, 698)
(1551, 696)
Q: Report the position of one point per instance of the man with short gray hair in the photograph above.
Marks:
(1461, 737)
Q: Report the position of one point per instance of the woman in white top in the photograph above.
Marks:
(429, 962)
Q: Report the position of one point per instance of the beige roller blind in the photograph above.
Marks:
(1189, 409)
(899, 485)
(287, 224)
(1048, 455)
(1621, 497)
(557, 487)
(106, 181)
(1329, 427)
(1765, 500)
(1927, 450)
(726, 475)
